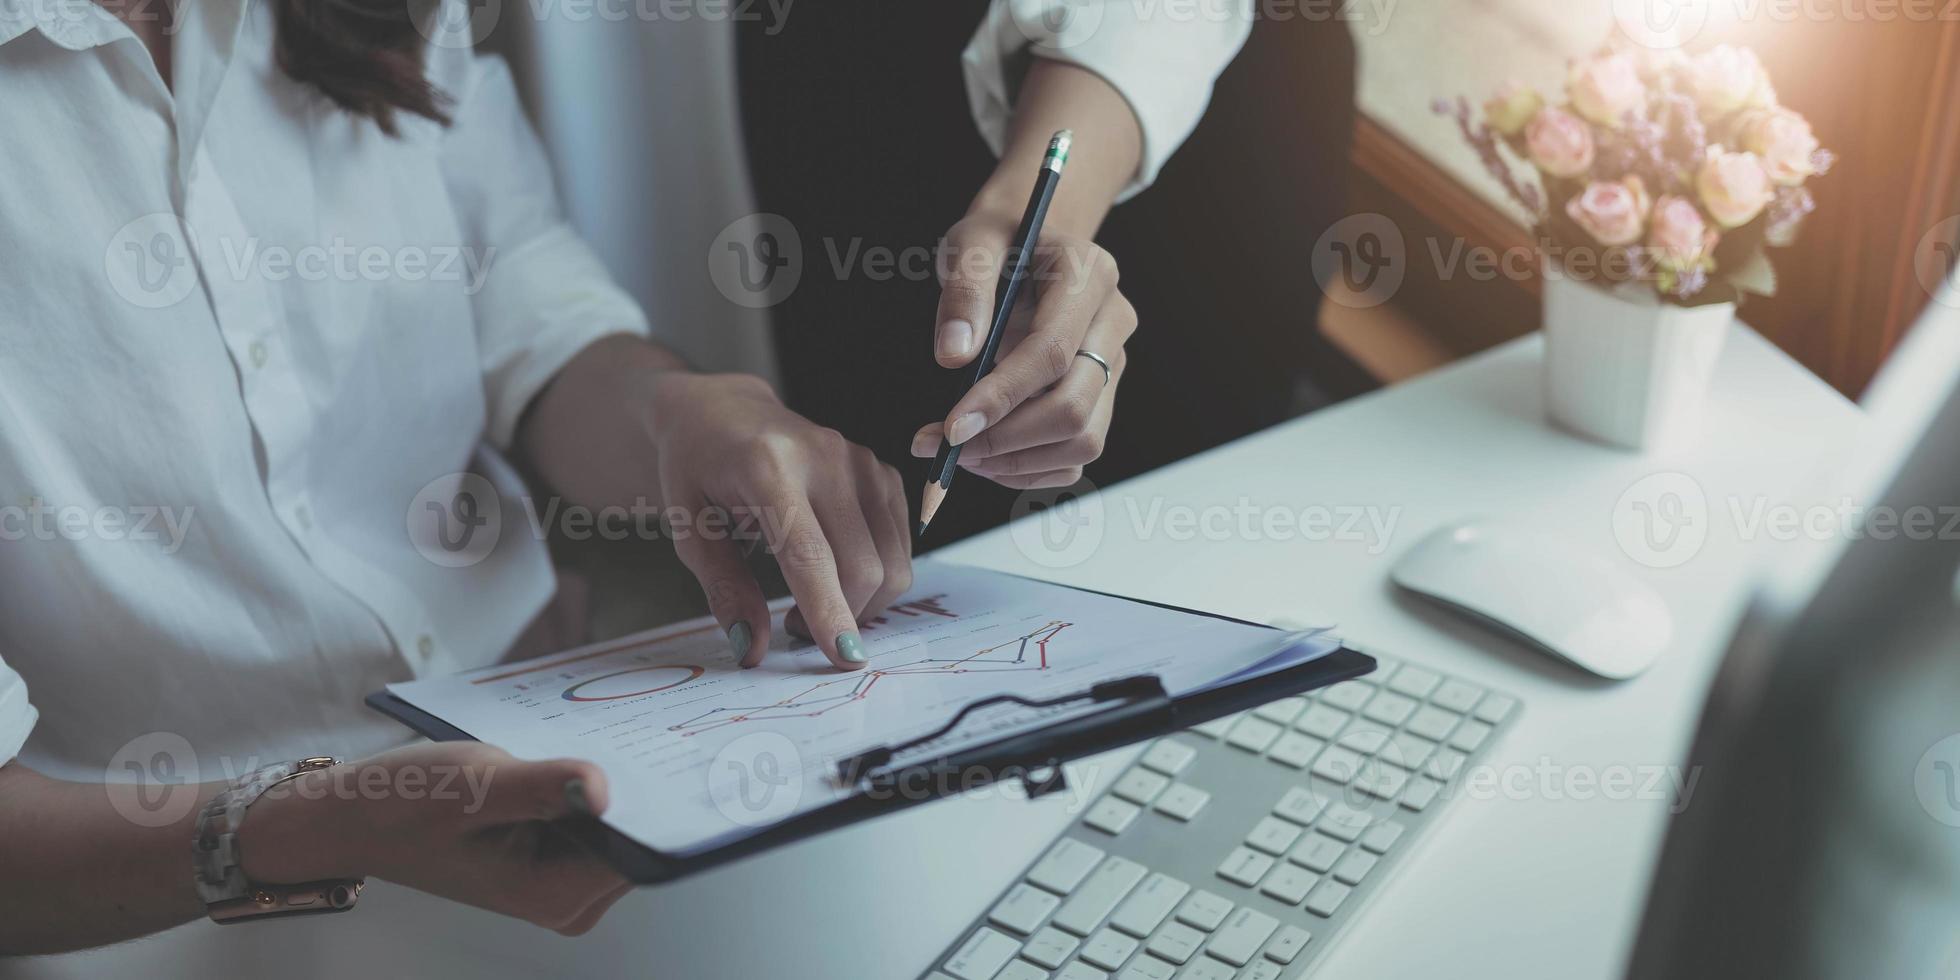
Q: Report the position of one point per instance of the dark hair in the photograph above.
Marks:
(364, 55)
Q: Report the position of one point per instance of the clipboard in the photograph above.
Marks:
(1129, 711)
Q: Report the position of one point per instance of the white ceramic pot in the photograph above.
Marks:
(1626, 369)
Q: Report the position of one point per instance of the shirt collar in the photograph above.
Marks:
(72, 24)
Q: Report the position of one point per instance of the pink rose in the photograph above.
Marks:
(1613, 213)
(1734, 187)
(1680, 234)
(1560, 143)
(1784, 140)
(1727, 78)
(1514, 105)
(1605, 90)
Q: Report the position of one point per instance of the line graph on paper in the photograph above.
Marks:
(1029, 651)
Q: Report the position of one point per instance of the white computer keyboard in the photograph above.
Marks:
(1239, 850)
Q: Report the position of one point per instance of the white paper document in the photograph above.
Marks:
(699, 752)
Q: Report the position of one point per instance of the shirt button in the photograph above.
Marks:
(426, 645)
(259, 353)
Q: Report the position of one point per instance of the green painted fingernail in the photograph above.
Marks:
(850, 647)
(576, 799)
(739, 638)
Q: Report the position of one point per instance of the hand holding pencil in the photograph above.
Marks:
(1051, 316)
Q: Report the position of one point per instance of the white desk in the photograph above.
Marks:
(1529, 886)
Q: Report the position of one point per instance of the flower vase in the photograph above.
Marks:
(1626, 369)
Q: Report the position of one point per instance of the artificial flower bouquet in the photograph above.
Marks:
(1659, 167)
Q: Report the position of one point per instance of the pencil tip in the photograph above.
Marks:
(921, 532)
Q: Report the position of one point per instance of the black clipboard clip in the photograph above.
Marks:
(1141, 708)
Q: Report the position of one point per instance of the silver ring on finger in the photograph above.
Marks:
(1108, 375)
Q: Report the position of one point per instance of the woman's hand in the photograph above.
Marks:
(1044, 411)
(834, 516)
(464, 821)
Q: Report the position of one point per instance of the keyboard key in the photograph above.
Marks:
(1327, 897)
(1149, 905)
(1283, 711)
(1253, 734)
(1050, 948)
(1296, 750)
(1380, 780)
(1169, 756)
(1182, 801)
(1390, 708)
(1494, 709)
(1244, 866)
(1458, 696)
(1023, 909)
(1422, 792)
(1272, 835)
(1148, 968)
(1299, 806)
(1140, 786)
(1065, 865)
(1217, 727)
(1081, 971)
(1021, 970)
(1414, 681)
(1175, 942)
(1111, 815)
(1108, 949)
(1337, 764)
(1445, 764)
(982, 956)
(1092, 902)
(1288, 883)
(1204, 968)
(1432, 723)
(1470, 737)
(1261, 970)
(1242, 935)
(1382, 836)
(1408, 750)
(1355, 867)
(936, 975)
(1287, 944)
(1321, 721)
(1204, 910)
(1365, 737)
(1347, 695)
(1343, 822)
(1317, 853)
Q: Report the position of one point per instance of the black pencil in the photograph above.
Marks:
(1020, 261)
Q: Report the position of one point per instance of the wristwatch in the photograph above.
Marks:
(215, 859)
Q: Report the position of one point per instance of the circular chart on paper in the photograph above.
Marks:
(632, 683)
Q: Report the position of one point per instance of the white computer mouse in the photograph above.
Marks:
(1577, 607)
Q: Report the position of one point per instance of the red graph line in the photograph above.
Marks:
(861, 686)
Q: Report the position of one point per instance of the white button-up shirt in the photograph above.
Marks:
(240, 332)
(248, 344)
